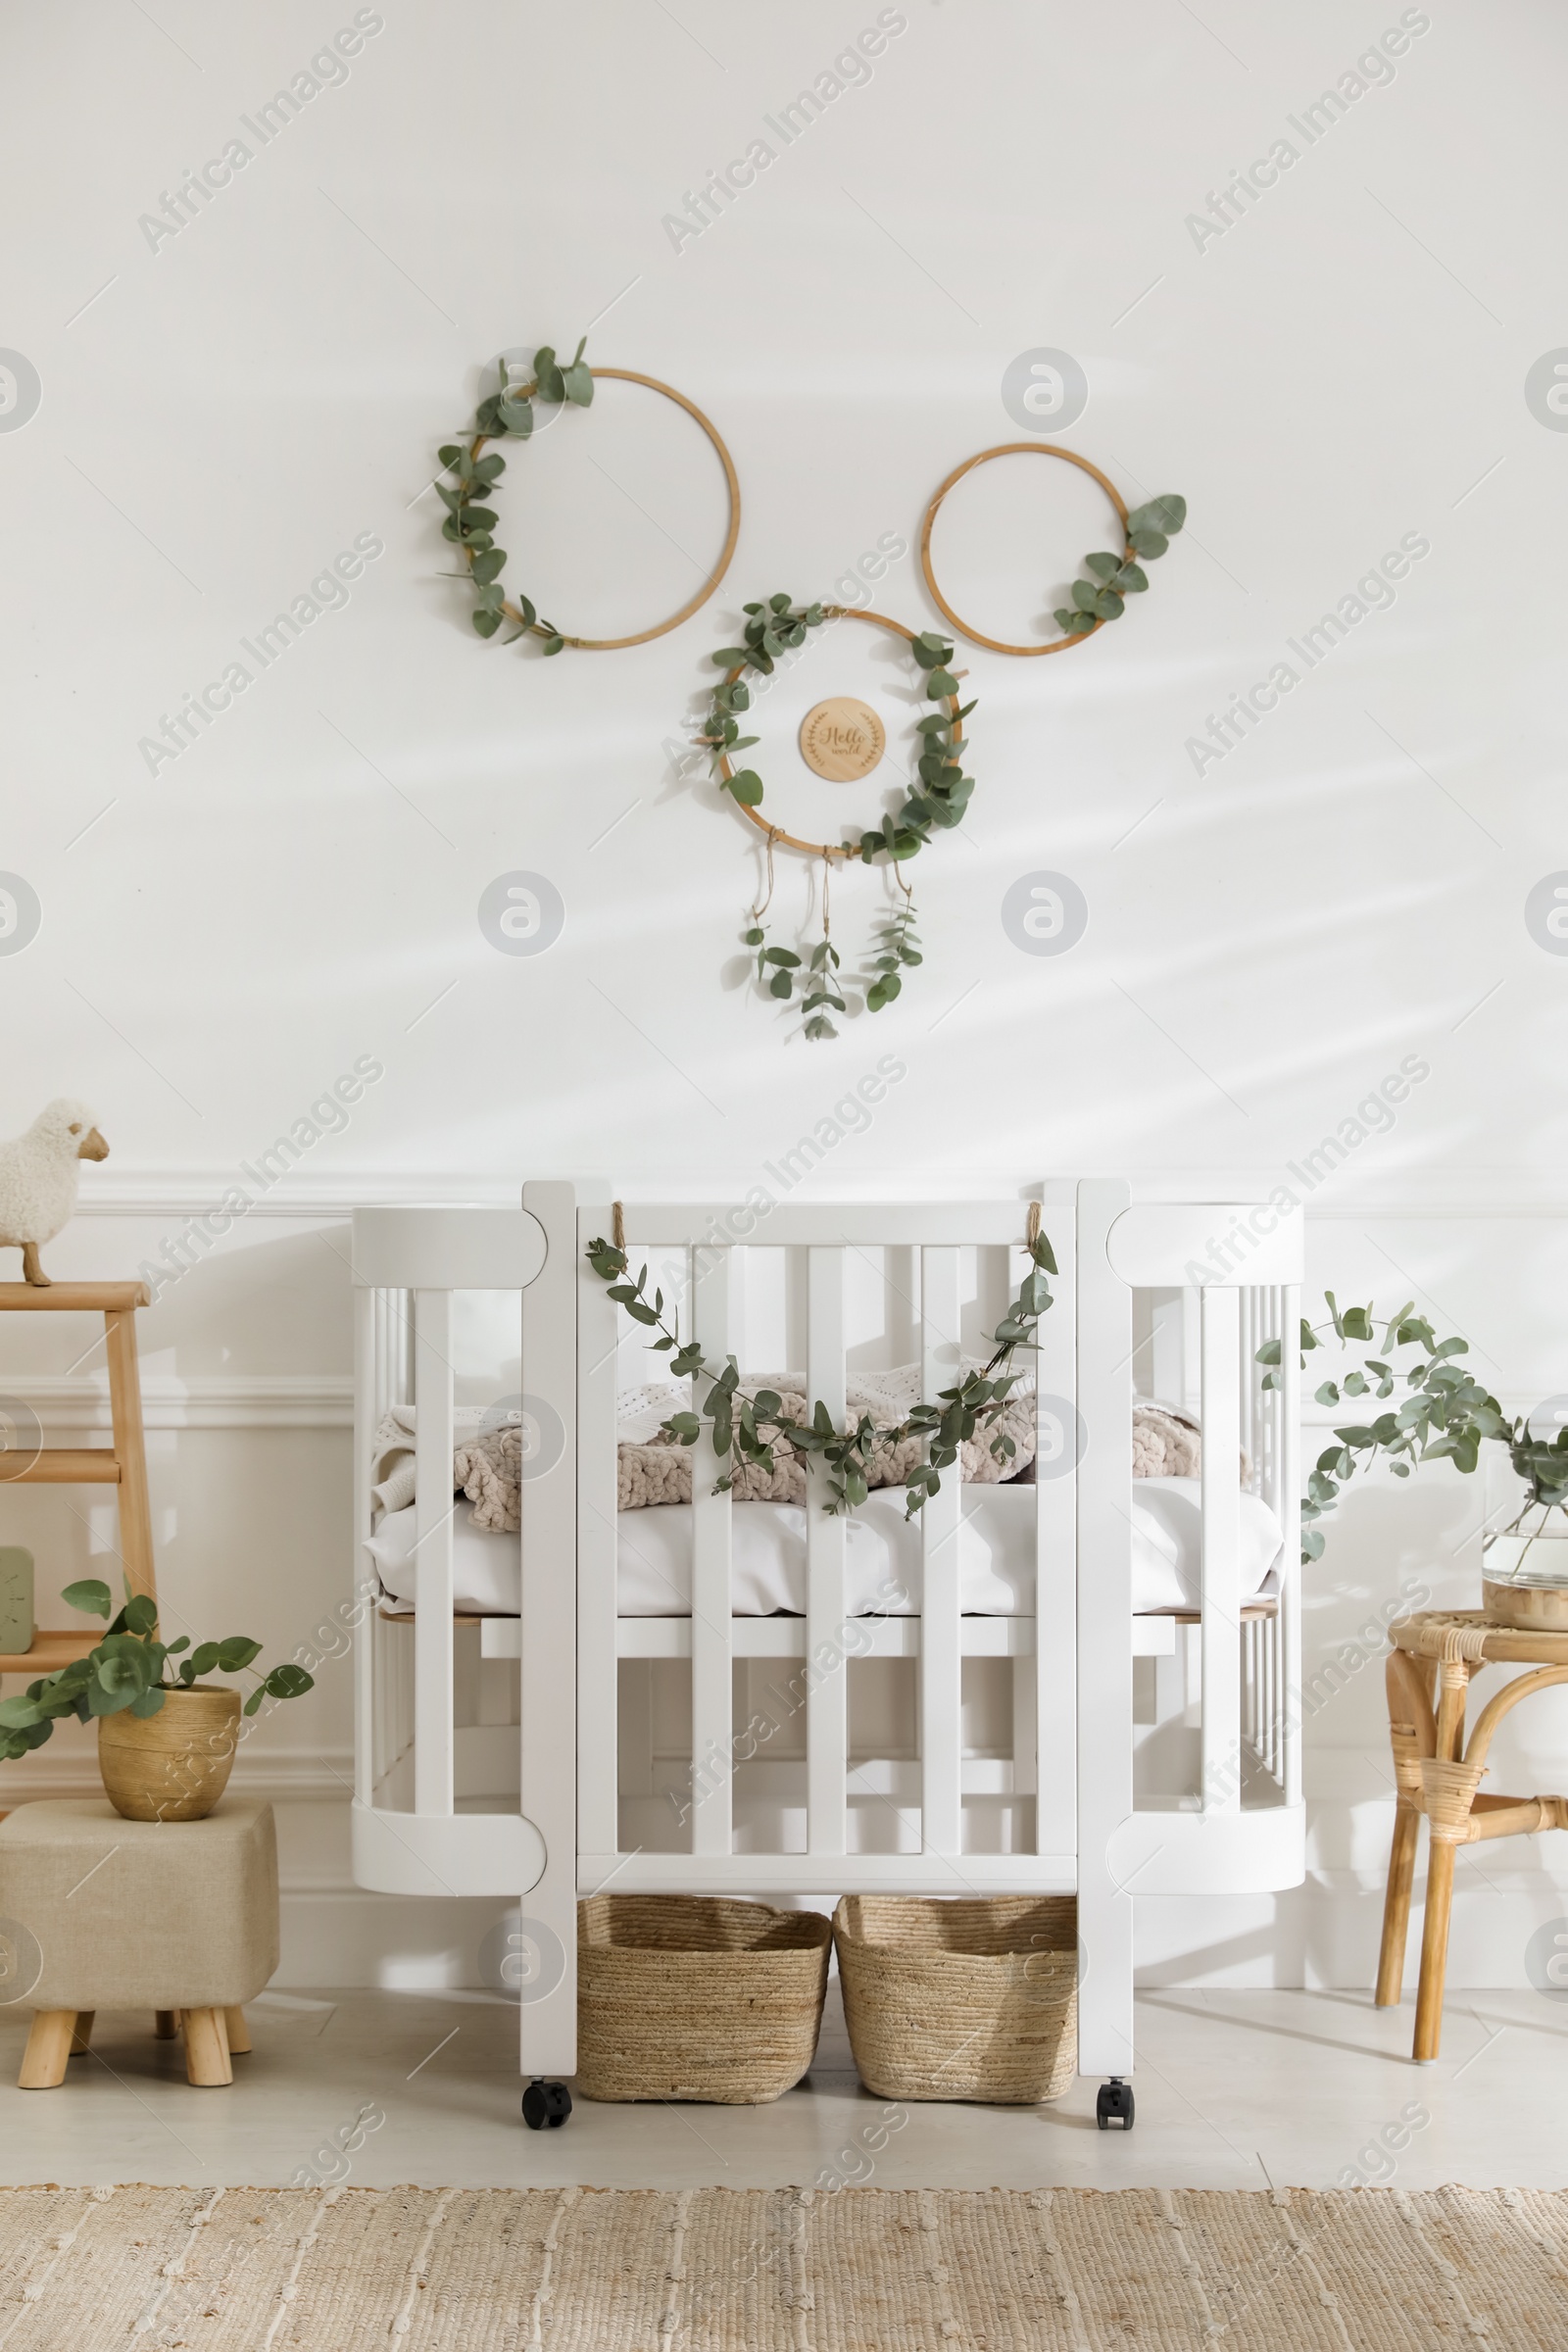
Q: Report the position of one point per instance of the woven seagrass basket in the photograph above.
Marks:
(697, 1997)
(961, 1999)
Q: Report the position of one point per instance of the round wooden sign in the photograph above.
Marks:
(842, 739)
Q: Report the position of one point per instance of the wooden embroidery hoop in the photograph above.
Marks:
(776, 835)
(1012, 449)
(695, 603)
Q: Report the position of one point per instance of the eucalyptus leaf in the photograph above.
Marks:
(288, 1681)
(1166, 514)
(91, 1594)
(103, 1701)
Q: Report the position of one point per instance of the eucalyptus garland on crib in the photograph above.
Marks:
(746, 1429)
(936, 802)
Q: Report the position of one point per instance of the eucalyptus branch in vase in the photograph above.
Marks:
(1446, 1414)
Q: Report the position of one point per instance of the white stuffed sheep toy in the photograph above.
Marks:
(39, 1174)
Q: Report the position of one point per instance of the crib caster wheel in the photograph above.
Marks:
(546, 2103)
(1114, 2104)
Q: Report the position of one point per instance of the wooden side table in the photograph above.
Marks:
(1438, 1773)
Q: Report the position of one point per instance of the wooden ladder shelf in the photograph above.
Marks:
(121, 1464)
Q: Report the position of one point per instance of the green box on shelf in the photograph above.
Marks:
(16, 1598)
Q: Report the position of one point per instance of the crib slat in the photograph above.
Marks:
(1056, 1423)
(712, 1758)
(941, 1658)
(367, 1410)
(1192, 1396)
(598, 1771)
(827, 1705)
(433, 1528)
(1103, 1654)
(1287, 1506)
(1221, 1563)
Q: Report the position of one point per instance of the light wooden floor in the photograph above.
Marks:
(1234, 2089)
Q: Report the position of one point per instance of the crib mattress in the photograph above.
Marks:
(884, 1553)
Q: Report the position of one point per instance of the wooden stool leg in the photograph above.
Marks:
(83, 2036)
(207, 2048)
(43, 2062)
(165, 2024)
(1434, 1952)
(1450, 1791)
(1411, 1736)
(1397, 1905)
(239, 2032)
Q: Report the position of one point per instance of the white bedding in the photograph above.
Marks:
(995, 1556)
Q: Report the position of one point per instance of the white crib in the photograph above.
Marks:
(534, 1809)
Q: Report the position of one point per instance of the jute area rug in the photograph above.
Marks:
(860, 2271)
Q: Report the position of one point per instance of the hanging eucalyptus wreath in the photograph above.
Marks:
(935, 804)
(507, 412)
(746, 1429)
(1101, 597)
(471, 522)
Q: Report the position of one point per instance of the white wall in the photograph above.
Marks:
(1268, 938)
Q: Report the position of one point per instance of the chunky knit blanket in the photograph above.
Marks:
(487, 1461)
(659, 1471)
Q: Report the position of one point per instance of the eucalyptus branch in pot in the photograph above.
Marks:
(168, 1770)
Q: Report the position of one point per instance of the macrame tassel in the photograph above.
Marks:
(618, 1225)
(1033, 1227)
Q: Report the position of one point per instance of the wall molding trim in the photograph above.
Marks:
(203, 1401)
(281, 1776)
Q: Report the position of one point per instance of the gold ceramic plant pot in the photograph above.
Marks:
(174, 1765)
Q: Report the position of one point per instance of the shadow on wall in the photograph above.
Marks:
(263, 1300)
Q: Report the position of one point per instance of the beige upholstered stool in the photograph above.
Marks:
(98, 1912)
(1439, 1772)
